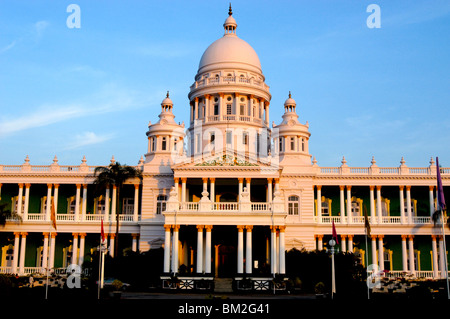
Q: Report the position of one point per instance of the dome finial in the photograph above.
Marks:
(290, 94)
(230, 12)
(167, 95)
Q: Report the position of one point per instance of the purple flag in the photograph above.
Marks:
(440, 189)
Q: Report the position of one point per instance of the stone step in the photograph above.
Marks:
(223, 285)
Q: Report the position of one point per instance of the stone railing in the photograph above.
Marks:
(225, 80)
(33, 217)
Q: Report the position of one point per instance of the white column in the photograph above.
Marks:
(136, 203)
(175, 248)
(27, 201)
(411, 255)
(77, 202)
(167, 248)
(319, 204)
(45, 252)
(320, 242)
(408, 203)
(269, 190)
(349, 205)
(212, 189)
(241, 180)
(200, 248)
(247, 184)
(134, 244)
(51, 258)
(196, 109)
(208, 249)
(431, 189)
(343, 243)
(205, 184)
(240, 252)
(49, 201)
(277, 252)
(248, 251)
(372, 205)
(176, 185)
(19, 199)
(435, 257)
(81, 255)
(374, 250)
(113, 204)
(379, 214)
(282, 269)
(442, 257)
(84, 202)
(222, 112)
(111, 244)
(75, 248)
(183, 189)
(55, 197)
(402, 205)
(23, 246)
(350, 243)
(404, 253)
(273, 240)
(107, 211)
(380, 252)
(16, 252)
(342, 203)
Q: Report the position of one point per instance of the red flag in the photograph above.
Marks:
(102, 233)
(53, 214)
(334, 233)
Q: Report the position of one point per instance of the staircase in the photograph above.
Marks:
(223, 285)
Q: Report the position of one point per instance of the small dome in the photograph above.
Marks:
(230, 21)
(290, 101)
(167, 100)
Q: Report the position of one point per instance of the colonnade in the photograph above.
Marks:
(273, 185)
(439, 256)
(206, 112)
(375, 204)
(81, 195)
(48, 249)
(276, 251)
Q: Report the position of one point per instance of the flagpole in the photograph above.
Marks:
(99, 266)
(46, 269)
(445, 249)
(367, 267)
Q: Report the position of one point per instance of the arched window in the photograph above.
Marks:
(160, 204)
(293, 205)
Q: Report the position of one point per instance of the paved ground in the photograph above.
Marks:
(207, 296)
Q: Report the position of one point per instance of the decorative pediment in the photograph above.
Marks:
(226, 160)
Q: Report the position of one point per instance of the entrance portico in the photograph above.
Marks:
(224, 250)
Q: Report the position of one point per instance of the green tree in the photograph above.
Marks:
(6, 214)
(116, 175)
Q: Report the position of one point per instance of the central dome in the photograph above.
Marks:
(230, 52)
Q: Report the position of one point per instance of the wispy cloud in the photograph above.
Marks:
(8, 47)
(88, 138)
(39, 28)
(110, 98)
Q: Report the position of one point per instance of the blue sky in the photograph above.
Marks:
(91, 91)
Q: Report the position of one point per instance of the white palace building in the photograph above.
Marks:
(228, 195)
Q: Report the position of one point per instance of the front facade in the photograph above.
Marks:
(226, 195)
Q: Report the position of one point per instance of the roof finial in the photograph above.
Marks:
(289, 94)
(167, 95)
(230, 12)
